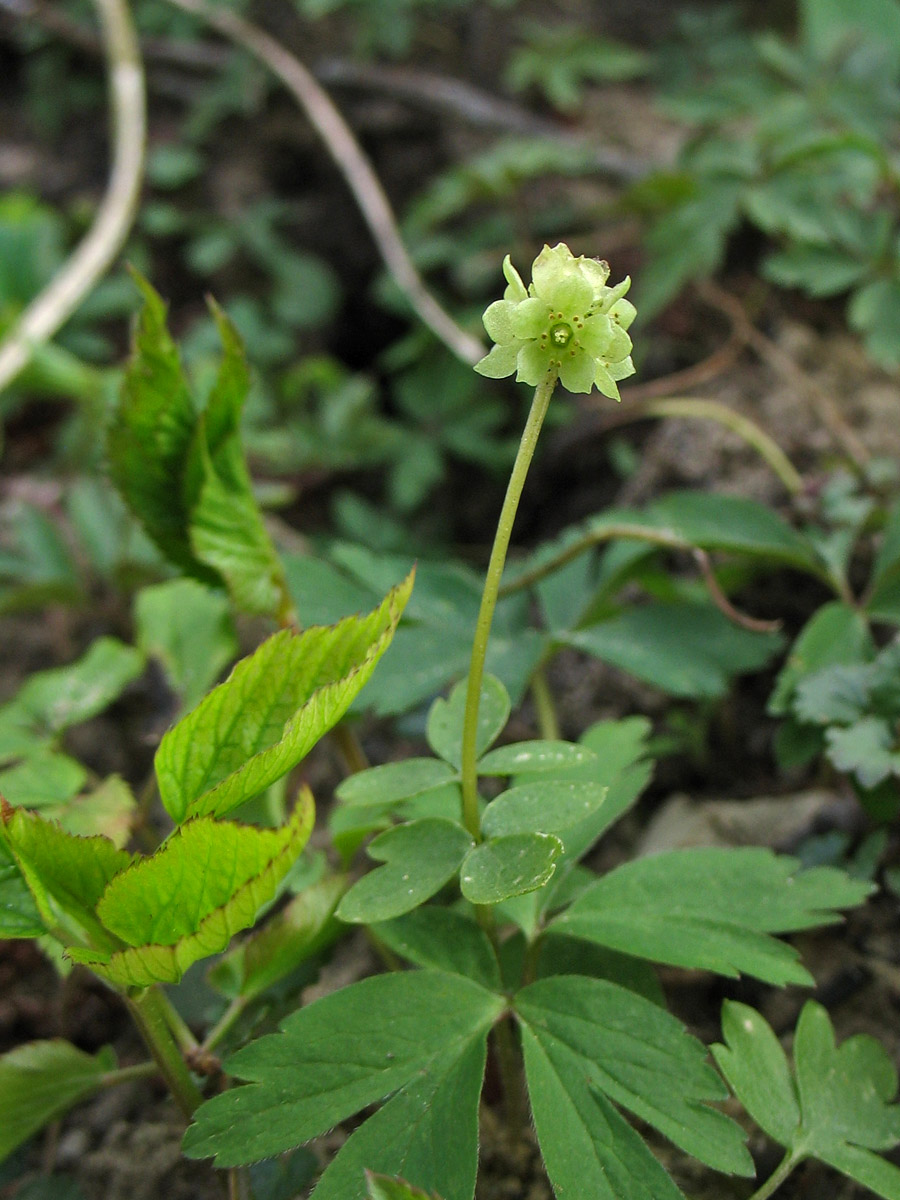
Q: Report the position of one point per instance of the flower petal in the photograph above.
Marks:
(577, 372)
(571, 295)
(516, 289)
(498, 321)
(605, 382)
(499, 363)
(534, 364)
(531, 318)
(622, 369)
(550, 267)
(596, 335)
(613, 294)
(619, 344)
(596, 272)
(623, 313)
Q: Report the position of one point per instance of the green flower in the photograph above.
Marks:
(568, 321)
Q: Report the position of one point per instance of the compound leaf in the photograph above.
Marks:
(443, 938)
(712, 908)
(331, 1059)
(276, 704)
(445, 720)
(534, 757)
(502, 867)
(392, 782)
(547, 807)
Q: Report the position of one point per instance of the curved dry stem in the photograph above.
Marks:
(114, 218)
(353, 165)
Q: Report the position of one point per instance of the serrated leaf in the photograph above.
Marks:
(549, 807)
(637, 1055)
(40, 1081)
(866, 749)
(587, 1147)
(428, 1132)
(712, 908)
(837, 1104)
(186, 901)
(66, 874)
(42, 780)
(445, 939)
(386, 1187)
(419, 858)
(836, 634)
(108, 810)
(445, 720)
(187, 627)
(330, 1060)
(508, 866)
(392, 782)
(19, 916)
(534, 757)
(257, 725)
(835, 694)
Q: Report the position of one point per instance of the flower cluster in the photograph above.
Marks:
(568, 321)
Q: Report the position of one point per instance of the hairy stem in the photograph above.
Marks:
(542, 394)
(149, 1010)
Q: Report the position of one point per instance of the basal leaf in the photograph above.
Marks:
(40, 1081)
(445, 939)
(331, 1059)
(837, 1105)
(186, 901)
(640, 1056)
(393, 782)
(508, 866)
(445, 720)
(534, 757)
(548, 807)
(428, 1132)
(257, 725)
(712, 908)
(419, 858)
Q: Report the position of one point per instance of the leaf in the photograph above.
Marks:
(712, 908)
(874, 311)
(419, 857)
(837, 694)
(19, 916)
(547, 807)
(508, 866)
(533, 757)
(685, 649)
(187, 627)
(186, 901)
(587, 1148)
(866, 748)
(40, 1081)
(331, 1059)
(109, 810)
(393, 782)
(637, 1055)
(383, 1187)
(837, 1104)
(44, 779)
(276, 704)
(836, 634)
(445, 720)
(151, 436)
(445, 939)
(826, 24)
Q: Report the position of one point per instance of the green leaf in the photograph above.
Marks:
(393, 782)
(186, 901)
(827, 24)
(19, 916)
(445, 939)
(42, 780)
(108, 810)
(637, 1055)
(837, 694)
(508, 866)
(383, 1187)
(712, 908)
(866, 748)
(331, 1059)
(541, 807)
(836, 634)
(189, 630)
(445, 720)
(874, 311)
(151, 436)
(688, 650)
(837, 1105)
(587, 1147)
(40, 1081)
(419, 858)
(257, 725)
(534, 757)
(56, 699)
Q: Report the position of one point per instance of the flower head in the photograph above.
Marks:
(568, 320)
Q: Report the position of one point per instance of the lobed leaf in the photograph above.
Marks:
(445, 939)
(276, 704)
(534, 757)
(712, 908)
(445, 720)
(332, 1059)
(548, 807)
(502, 867)
(392, 782)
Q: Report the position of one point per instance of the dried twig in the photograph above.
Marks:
(353, 164)
(94, 254)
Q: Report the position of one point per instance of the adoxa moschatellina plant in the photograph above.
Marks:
(513, 943)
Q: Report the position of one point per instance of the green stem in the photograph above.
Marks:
(777, 1178)
(232, 1014)
(126, 1074)
(539, 404)
(149, 1010)
(545, 710)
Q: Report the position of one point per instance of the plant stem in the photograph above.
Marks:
(148, 1008)
(777, 1178)
(542, 394)
(232, 1013)
(548, 723)
(126, 1074)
